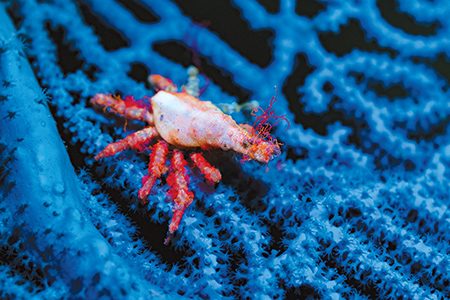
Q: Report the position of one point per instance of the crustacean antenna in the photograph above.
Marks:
(262, 145)
(262, 124)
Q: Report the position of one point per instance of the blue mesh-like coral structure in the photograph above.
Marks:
(356, 206)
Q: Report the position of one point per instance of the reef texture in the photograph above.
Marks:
(355, 207)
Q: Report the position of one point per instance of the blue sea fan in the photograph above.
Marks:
(356, 206)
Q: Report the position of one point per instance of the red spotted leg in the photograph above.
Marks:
(137, 140)
(211, 173)
(178, 181)
(128, 108)
(156, 168)
(161, 83)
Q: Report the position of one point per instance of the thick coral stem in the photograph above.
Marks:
(156, 168)
(137, 140)
(211, 173)
(128, 108)
(178, 181)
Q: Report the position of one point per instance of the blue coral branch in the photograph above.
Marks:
(356, 206)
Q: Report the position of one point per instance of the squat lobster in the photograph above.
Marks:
(180, 121)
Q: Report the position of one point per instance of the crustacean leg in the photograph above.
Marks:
(137, 140)
(156, 168)
(161, 83)
(128, 108)
(211, 173)
(178, 181)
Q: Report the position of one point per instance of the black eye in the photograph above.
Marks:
(245, 144)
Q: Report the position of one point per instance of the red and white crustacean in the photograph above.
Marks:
(178, 121)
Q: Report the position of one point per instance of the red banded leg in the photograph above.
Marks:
(162, 83)
(179, 191)
(156, 168)
(137, 140)
(128, 108)
(211, 173)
